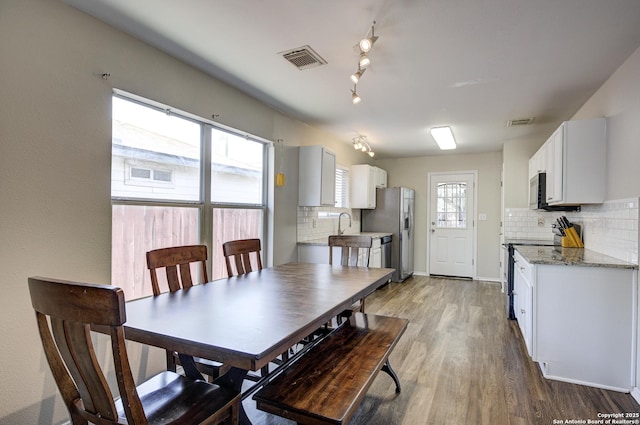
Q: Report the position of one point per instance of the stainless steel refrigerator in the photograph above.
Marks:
(394, 214)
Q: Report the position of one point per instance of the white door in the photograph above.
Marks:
(451, 224)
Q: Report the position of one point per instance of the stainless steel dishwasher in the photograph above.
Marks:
(385, 246)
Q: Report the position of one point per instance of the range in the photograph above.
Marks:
(510, 245)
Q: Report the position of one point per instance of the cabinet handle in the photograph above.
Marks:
(514, 293)
(522, 311)
(522, 269)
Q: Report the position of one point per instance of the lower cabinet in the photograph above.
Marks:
(523, 306)
(375, 257)
(578, 322)
(320, 254)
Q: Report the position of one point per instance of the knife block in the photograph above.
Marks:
(571, 240)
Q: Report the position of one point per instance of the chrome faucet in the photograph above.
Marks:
(339, 217)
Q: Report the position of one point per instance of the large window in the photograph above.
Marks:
(176, 180)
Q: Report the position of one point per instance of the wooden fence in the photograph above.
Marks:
(138, 229)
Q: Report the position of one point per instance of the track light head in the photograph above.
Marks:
(364, 61)
(367, 43)
(355, 77)
(355, 99)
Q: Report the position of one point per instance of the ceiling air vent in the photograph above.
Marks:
(303, 58)
(521, 121)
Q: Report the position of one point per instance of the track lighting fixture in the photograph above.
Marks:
(360, 144)
(354, 96)
(365, 45)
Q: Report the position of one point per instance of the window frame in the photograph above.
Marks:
(204, 205)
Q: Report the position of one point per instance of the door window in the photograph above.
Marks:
(451, 205)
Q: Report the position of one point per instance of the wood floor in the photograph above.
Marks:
(461, 362)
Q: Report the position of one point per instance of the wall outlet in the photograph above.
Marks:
(540, 221)
(482, 217)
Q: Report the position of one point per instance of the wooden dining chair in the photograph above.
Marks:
(177, 263)
(65, 313)
(239, 251)
(353, 247)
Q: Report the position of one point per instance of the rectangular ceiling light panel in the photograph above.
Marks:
(443, 137)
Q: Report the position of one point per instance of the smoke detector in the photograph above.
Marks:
(303, 58)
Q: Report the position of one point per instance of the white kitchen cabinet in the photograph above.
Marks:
(537, 163)
(375, 256)
(523, 299)
(317, 177)
(381, 177)
(578, 322)
(576, 163)
(364, 181)
(554, 168)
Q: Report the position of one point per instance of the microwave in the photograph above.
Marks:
(538, 192)
(538, 196)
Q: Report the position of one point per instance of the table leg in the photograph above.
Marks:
(233, 379)
(189, 367)
(387, 368)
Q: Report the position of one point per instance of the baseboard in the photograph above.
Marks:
(484, 279)
(489, 279)
(635, 392)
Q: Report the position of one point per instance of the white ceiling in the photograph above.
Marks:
(469, 64)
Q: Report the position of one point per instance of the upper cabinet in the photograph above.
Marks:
(576, 173)
(538, 162)
(574, 160)
(364, 181)
(317, 177)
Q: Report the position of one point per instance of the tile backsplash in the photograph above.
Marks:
(610, 228)
(320, 222)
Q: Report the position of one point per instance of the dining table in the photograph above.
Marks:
(247, 321)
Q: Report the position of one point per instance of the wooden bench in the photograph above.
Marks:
(327, 384)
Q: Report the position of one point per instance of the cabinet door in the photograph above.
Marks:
(328, 189)
(526, 312)
(523, 301)
(381, 177)
(375, 259)
(555, 166)
(363, 189)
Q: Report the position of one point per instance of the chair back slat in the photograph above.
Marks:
(239, 251)
(177, 264)
(75, 347)
(350, 248)
(64, 313)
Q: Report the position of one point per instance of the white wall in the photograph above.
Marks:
(516, 154)
(55, 165)
(413, 172)
(619, 101)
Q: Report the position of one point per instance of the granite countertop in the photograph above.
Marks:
(325, 241)
(556, 255)
(523, 241)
